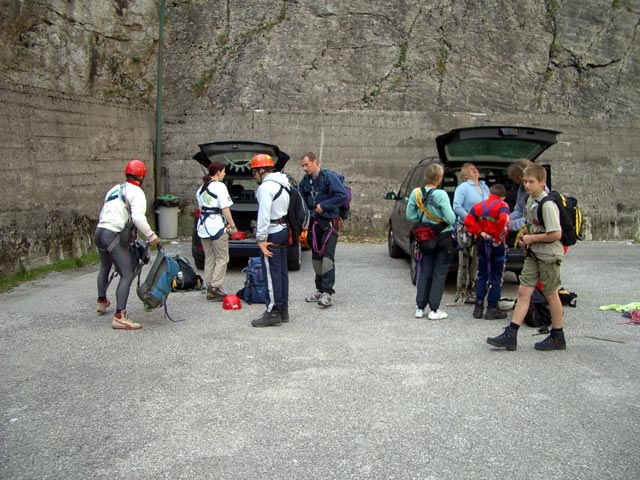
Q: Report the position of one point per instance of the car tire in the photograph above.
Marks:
(294, 257)
(394, 250)
(414, 265)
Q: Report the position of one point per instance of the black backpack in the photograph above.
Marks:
(298, 215)
(187, 278)
(538, 315)
(570, 216)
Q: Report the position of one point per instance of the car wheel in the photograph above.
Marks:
(414, 266)
(394, 250)
(294, 257)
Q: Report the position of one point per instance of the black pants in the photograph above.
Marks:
(324, 240)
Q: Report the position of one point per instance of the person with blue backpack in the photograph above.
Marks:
(324, 193)
(122, 215)
(488, 221)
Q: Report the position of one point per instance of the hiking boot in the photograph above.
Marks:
(269, 319)
(215, 293)
(102, 306)
(494, 314)
(324, 300)
(419, 313)
(437, 315)
(555, 341)
(507, 339)
(122, 322)
(284, 315)
(478, 310)
(314, 297)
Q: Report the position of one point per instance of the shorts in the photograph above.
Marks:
(535, 270)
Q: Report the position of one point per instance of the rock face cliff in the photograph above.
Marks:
(106, 49)
(366, 84)
(571, 57)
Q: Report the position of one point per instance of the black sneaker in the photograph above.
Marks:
(494, 314)
(284, 315)
(478, 310)
(507, 339)
(269, 319)
(552, 342)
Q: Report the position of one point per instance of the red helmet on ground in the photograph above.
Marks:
(137, 168)
(262, 160)
(231, 302)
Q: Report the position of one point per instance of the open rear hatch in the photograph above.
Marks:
(494, 145)
(237, 155)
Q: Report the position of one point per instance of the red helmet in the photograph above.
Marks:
(137, 168)
(238, 236)
(231, 302)
(262, 160)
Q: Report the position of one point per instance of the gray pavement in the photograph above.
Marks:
(359, 391)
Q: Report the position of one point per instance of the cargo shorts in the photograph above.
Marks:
(535, 270)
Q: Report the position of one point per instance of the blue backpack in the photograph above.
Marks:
(157, 286)
(255, 284)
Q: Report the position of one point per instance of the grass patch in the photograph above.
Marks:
(11, 281)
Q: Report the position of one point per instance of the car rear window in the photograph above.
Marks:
(492, 149)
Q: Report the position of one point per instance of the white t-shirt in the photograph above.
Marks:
(210, 223)
(114, 213)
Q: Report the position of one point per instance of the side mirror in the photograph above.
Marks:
(390, 196)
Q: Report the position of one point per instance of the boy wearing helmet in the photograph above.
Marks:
(123, 202)
(272, 234)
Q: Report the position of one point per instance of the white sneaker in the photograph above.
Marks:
(437, 315)
(314, 297)
(325, 300)
(419, 313)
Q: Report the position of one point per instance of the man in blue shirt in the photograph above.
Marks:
(324, 194)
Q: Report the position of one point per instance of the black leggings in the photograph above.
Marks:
(120, 257)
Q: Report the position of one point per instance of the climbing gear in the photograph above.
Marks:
(506, 304)
(231, 302)
(137, 168)
(261, 160)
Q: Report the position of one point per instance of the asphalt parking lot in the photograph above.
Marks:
(361, 390)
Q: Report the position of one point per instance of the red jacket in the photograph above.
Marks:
(490, 216)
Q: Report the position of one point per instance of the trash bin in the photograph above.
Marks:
(167, 210)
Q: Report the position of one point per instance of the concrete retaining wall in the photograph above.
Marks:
(60, 154)
(593, 160)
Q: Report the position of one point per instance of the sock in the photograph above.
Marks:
(515, 326)
(117, 314)
(102, 299)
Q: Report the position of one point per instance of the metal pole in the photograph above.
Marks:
(158, 146)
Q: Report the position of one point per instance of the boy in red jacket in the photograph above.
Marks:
(488, 220)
